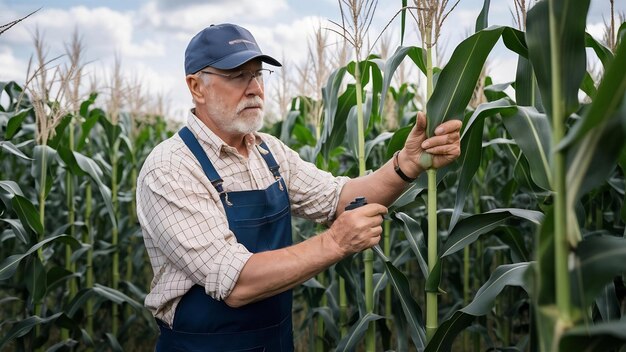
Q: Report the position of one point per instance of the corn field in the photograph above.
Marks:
(519, 245)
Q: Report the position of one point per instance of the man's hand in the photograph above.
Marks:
(444, 146)
(357, 229)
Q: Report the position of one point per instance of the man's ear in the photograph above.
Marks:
(195, 84)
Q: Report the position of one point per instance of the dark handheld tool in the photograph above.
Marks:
(359, 202)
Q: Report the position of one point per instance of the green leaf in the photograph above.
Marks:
(336, 113)
(86, 126)
(330, 322)
(370, 144)
(288, 124)
(570, 17)
(352, 121)
(595, 157)
(15, 123)
(606, 102)
(415, 53)
(27, 213)
(58, 275)
(482, 21)
(600, 337)
(515, 40)
(469, 229)
(397, 140)
(60, 131)
(504, 275)
(458, 78)
(70, 162)
(91, 168)
(41, 152)
(36, 280)
(113, 342)
(608, 304)
(403, 21)
(84, 106)
(532, 132)
(24, 326)
(415, 236)
(411, 309)
(512, 237)
(11, 188)
(11, 148)
(356, 333)
(18, 230)
(471, 153)
(9, 265)
(600, 259)
(112, 132)
(526, 89)
(604, 54)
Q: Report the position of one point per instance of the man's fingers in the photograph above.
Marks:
(420, 123)
(436, 141)
(449, 126)
(450, 150)
(373, 209)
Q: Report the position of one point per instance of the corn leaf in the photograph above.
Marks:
(11, 148)
(604, 54)
(482, 21)
(571, 46)
(600, 259)
(27, 213)
(411, 309)
(15, 122)
(415, 53)
(608, 99)
(469, 229)
(532, 132)
(18, 229)
(600, 337)
(504, 275)
(356, 333)
(36, 280)
(25, 326)
(91, 168)
(458, 78)
(608, 304)
(415, 237)
(9, 265)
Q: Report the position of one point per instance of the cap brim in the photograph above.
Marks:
(239, 58)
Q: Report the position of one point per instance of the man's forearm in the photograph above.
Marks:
(383, 186)
(269, 273)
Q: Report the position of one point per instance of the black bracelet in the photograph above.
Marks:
(396, 168)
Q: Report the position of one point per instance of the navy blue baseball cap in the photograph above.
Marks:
(223, 46)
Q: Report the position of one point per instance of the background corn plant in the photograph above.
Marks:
(530, 230)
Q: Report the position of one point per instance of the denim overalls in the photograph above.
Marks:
(261, 221)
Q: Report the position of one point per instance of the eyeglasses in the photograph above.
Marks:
(242, 78)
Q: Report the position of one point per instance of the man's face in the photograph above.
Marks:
(236, 106)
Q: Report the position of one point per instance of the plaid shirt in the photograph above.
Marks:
(183, 221)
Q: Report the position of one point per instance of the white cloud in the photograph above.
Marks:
(193, 16)
(11, 68)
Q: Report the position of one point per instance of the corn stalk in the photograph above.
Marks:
(355, 24)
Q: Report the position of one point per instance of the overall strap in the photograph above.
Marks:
(269, 159)
(193, 145)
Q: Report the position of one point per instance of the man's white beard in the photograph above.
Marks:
(233, 122)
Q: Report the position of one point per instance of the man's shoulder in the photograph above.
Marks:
(167, 155)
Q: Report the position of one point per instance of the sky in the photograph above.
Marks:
(149, 36)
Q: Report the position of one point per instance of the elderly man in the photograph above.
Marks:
(215, 204)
